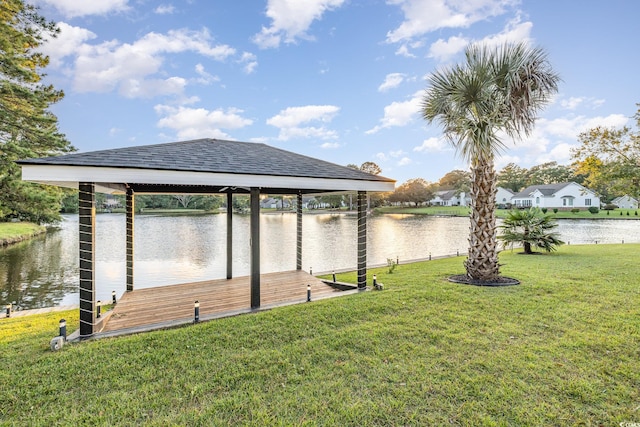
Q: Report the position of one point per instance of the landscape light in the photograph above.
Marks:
(334, 276)
(62, 327)
(99, 309)
(113, 297)
(196, 312)
(8, 310)
(308, 293)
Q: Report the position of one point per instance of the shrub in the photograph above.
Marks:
(575, 210)
(593, 209)
(555, 210)
(627, 213)
(544, 210)
(391, 264)
(610, 207)
(620, 213)
(636, 213)
(607, 212)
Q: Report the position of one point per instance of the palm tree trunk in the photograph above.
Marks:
(482, 263)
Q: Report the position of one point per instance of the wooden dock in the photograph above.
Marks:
(166, 306)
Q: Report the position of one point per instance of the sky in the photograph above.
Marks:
(339, 80)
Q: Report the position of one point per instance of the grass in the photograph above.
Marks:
(502, 213)
(563, 348)
(12, 232)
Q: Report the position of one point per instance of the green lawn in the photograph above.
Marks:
(502, 213)
(11, 232)
(563, 348)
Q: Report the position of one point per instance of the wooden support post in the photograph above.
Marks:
(299, 233)
(229, 235)
(130, 207)
(87, 239)
(255, 247)
(362, 240)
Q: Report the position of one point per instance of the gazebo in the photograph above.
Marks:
(203, 166)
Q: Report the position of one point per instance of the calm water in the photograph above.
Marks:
(175, 249)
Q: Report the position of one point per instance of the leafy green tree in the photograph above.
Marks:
(416, 191)
(512, 177)
(494, 91)
(27, 128)
(531, 228)
(457, 180)
(550, 173)
(613, 157)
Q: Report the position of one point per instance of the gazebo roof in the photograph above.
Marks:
(200, 166)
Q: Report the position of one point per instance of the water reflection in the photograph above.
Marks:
(44, 271)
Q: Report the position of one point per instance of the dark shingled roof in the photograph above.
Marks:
(213, 156)
(545, 189)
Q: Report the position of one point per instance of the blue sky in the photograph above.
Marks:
(340, 80)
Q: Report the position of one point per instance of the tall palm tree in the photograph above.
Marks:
(496, 92)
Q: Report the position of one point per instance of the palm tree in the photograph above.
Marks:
(531, 228)
(496, 91)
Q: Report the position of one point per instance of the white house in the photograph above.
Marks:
(625, 202)
(503, 196)
(565, 195)
(450, 198)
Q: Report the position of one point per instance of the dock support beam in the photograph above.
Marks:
(362, 240)
(255, 247)
(229, 235)
(299, 233)
(130, 207)
(87, 240)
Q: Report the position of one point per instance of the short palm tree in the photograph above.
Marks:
(530, 227)
(496, 92)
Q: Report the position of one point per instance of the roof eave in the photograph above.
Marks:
(112, 180)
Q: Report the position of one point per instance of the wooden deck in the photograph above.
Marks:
(166, 306)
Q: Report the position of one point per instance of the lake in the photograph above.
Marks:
(43, 272)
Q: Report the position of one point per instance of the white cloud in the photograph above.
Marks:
(574, 102)
(205, 78)
(399, 113)
(164, 9)
(250, 62)
(130, 68)
(391, 81)
(515, 31)
(443, 50)
(404, 161)
(68, 42)
(382, 157)
(504, 160)
(74, 8)
(432, 144)
(289, 122)
(291, 20)
(423, 16)
(149, 88)
(328, 145)
(191, 123)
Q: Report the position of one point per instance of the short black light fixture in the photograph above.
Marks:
(196, 311)
(99, 308)
(113, 297)
(429, 256)
(311, 271)
(334, 276)
(62, 329)
(308, 293)
(8, 310)
(377, 286)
